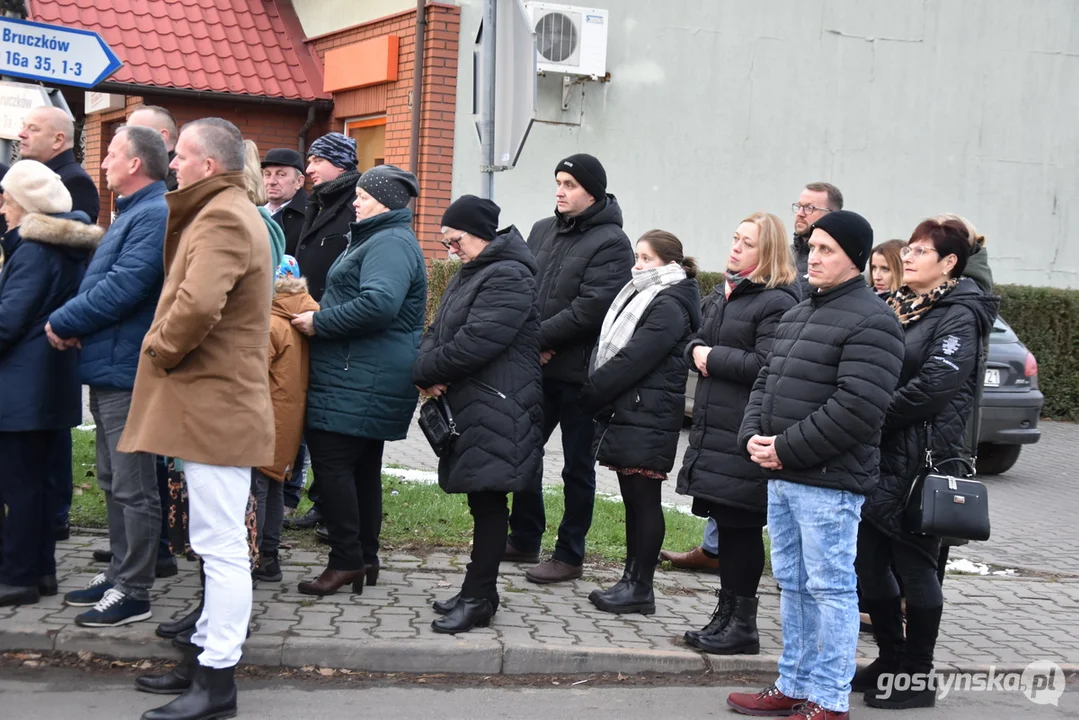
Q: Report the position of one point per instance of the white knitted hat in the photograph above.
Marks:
(36, 188)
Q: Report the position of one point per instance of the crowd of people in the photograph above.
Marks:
(232, 328)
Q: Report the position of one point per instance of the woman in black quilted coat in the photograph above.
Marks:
(636, 389)
(945, 319)
(482, 356)
(735, 339)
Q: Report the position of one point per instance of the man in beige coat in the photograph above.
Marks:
(202, 391)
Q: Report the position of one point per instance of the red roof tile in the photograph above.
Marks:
(235, 46)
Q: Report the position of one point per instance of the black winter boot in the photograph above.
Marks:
(923, 624)
(739, 636)
(212, 695)
(187, 622)
(175, 681)
(445, 607)
(635, 596)
(720, 617)
(627, 573)
(269, 569)
(466, 614)
(887, 619)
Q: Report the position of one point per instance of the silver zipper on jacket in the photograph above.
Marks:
(488, 388)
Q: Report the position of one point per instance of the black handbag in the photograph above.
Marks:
(947, 505)
(436, 422)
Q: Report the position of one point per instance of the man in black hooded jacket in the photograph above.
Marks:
(584, 259)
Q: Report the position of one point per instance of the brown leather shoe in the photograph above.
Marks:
(512, 554)
(330, 581)
(553, 571)
(769, 701)
(695, 559)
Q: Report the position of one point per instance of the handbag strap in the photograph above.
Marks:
(450, 422)
(979, 393)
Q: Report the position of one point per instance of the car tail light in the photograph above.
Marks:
(1030, 369)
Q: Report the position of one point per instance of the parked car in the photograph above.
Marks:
(1011, 404)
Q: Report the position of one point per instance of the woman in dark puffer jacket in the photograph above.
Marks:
(945, 318)
(636, 388)
(482, 354)
(740, 319)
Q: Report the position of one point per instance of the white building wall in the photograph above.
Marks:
(319, 17)
(717, 108)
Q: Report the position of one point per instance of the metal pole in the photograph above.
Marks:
(417, 88)
(487, 101)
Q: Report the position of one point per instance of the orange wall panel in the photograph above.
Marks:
(371, 62)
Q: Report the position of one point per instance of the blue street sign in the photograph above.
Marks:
(54, 54)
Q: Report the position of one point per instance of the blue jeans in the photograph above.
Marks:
(814, 534)
(710, 541)
(528, 519)
(294, 485)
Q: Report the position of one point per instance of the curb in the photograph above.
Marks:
(464, 656)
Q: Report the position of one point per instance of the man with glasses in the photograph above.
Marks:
(817, 200)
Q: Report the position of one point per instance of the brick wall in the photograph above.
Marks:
(392, 99)
(267, 125)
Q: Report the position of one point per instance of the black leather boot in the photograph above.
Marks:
(187, 622)
(175, 681)
(720, 617)
(739, 636)
(923, 624)
(47, 586)
(466, 614)
(445, 607)
(212, 695)
(18, 595)
(627, 573)
(887, 620)
(635, 596)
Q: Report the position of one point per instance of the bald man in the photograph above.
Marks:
(158, 118)
(48, 136)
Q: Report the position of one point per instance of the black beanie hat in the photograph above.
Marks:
(852, 232)
(476, 216)
(390, 185)
(588, 171)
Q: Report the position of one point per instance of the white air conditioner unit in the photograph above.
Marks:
(569, 40)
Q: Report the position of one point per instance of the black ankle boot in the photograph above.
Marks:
(466, 614)
(175, 681)
(269, 569)
(187, 622)
(923, 624)
(635, 596)
(887, 620)
(445, 607)
(720, 617)
(629, 571)
(739, 636)
(212, 695)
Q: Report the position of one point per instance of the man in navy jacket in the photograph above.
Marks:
(109, 318)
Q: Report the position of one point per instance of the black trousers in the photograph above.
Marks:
(349, 472)
(741, 559)
(878, 554)
(490, 518)
(27, 488)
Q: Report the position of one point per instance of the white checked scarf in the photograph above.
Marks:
(629, 305)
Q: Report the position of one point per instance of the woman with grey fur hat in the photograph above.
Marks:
(364, 340)
(46, 249)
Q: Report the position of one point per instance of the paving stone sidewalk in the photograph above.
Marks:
(1008, 622)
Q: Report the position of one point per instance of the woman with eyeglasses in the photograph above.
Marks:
(481, 355)
(945, 318)
(364, 340)
(886, 266)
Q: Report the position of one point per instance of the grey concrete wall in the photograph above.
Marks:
(718, 108)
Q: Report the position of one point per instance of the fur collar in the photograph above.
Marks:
(60, 231)
(289, 285)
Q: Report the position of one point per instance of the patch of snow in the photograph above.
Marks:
(963, 566)
(89, 427)
(423, 477)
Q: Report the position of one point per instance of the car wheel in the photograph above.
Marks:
(996, 459)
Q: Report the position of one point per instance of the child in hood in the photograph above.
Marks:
(288, 390)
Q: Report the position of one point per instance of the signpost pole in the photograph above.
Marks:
(487, 101)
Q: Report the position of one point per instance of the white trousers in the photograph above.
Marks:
(217, 501)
